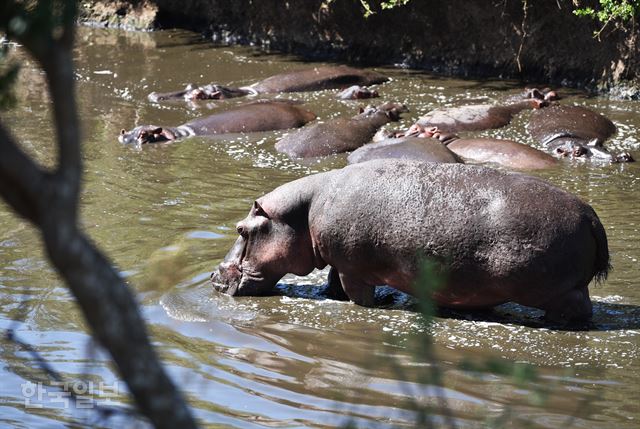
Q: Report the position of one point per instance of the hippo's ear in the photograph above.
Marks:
(360, 110)
(258, 210)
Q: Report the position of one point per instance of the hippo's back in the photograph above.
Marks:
(576, 121)
(482, 223)
(507, 153)
(318, 78)
(253, 117)
(413, 148)
(475, 117)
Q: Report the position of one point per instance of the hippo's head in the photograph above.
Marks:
(573, 147)
(213, 92)
(270, 245)
(146, 134)
(357, 92)
(390, 110)
(546, 94)
(194, 92)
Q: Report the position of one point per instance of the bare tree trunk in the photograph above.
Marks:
(50, 201)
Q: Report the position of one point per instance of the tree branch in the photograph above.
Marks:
(50, 201)
(21, 180)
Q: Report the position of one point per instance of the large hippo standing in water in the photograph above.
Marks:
(496, 236)
(311, 79)
(339, 135)
(574, 131)
(251, 117)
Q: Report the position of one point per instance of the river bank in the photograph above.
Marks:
(541, 43)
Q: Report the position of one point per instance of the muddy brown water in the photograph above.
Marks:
(166, 217)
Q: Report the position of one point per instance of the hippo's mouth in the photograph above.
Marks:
(225, 285)
(228, 277)
(236, 282)
(236, 277)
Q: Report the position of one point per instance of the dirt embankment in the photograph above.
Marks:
(542, 42)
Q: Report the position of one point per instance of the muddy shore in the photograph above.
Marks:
(544, 43)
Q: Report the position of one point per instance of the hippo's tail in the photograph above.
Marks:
(602, 264)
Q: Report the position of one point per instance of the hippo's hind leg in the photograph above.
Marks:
(358, 291)
(334, 288)
(572, 307)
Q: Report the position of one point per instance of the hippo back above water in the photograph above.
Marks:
(340, 134)
(414, 148)
(318, 78)
(250, 117)
(574, 131)
(495, 236)
(475, 117)
(311, 79)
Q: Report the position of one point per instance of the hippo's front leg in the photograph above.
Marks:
(358, 291)
(334, 288)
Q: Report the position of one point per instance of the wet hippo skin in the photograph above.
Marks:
(492, 236)
(506, 153)
(339, 135)
(415, 148)
(575, 132)
(250, 117)
(310, 79)
(475, 117)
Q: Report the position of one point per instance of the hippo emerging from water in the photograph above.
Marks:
(574, 131)
(251, 117)
(339, 135)
(495, 236)
(312, 79)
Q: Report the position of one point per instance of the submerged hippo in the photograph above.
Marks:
(339, 135)
(495, 236)
(574, 131)
(506, 153)
(312, 79)
(251, 117)
(545, 94)
(419, 149)
(357, 92)
(476, 117)
(193, 92)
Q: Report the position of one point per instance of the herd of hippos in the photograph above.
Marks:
(408, 196)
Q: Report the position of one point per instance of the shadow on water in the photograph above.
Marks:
(606, 316)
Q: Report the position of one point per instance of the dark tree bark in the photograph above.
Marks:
(49, 199)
